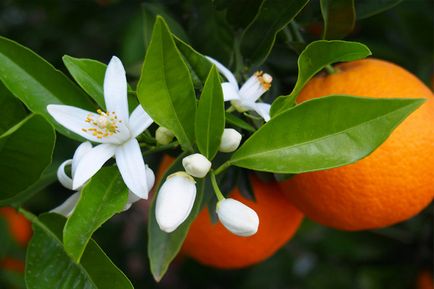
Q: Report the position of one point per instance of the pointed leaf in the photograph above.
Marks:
(104, 196)
(165, 88)
(37, 83)
(339, 18)
(238, 122)
(21, 163)
(323, 133)
(273, 15)
(210, 116)
(163, 247)
(314, 58)
(49, 266)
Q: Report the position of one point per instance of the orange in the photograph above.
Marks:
(425, 280)
(392, 184)
(12, 265)
(20, 228)
(212, 244)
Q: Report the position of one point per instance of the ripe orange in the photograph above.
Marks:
(20, 228)
(425, 280)
(395, 182)
(212, 244)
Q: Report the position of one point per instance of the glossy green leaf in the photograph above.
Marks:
(238, 122)
(344, 130)
(163, 247)
(339, 18)
(273, 15)
(13, 111)
(165, 88)
(25, 151)
(49, 266)
(368, 8)
(37, 83)
(313, 59)
(89, 74)
(210, 116)
(198, 65)
(104, 196)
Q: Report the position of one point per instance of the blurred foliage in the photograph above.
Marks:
(317, 257)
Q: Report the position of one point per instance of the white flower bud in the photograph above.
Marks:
(163, 135)
(196, 165)
(230, 140)
(237, 217)
(175, 201)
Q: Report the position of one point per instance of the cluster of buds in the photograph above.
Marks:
(177, 195)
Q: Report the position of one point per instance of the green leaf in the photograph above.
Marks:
(89, 74)
(104, 196)
(210, 116)
(13, 111)
(259, 36)
(240, 13)
(37, 83)
(339, 18)
(314, 58)
(49, 266)
(368, 8)
(323, 133)
(165, 88)
(238, 122)
(163, 247)
(198, 65)
(21, 162)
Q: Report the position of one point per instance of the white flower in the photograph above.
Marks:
(67, 207)
(230, 140)
(175, 201)
(237, 217)
(196, 165)
(115, 130)
(245, 98)
(163, 135)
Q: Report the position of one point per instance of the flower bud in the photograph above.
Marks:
(237, 217)
(175, 201)
(163, 135)
(196, 165)
(230, 140)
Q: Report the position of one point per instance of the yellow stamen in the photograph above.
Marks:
(264, 78)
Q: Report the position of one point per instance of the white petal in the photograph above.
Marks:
(150, 178)
(252, 89)
(67, 207)
(230, 92)
(78, 155)
(91, 162)
(175, 201)
(237, 217)
(132, 168)
(63, 178)
(115, 89)
(223, 70)
(74, 119)
(263, 109)
(196, 165)
(139, 121)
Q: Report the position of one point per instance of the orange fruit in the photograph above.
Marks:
(425, 280)
(213, 245)
(12, 265)
(392, 184)
(20, 228)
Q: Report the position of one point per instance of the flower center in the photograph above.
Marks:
(264, 78)
(104, 125)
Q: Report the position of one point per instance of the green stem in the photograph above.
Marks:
(330, 69)
(217, 191)
(156, 149)
(221, 168)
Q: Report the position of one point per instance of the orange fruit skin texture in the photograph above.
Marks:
(392, 184)
(213, 245)
(20, 228)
